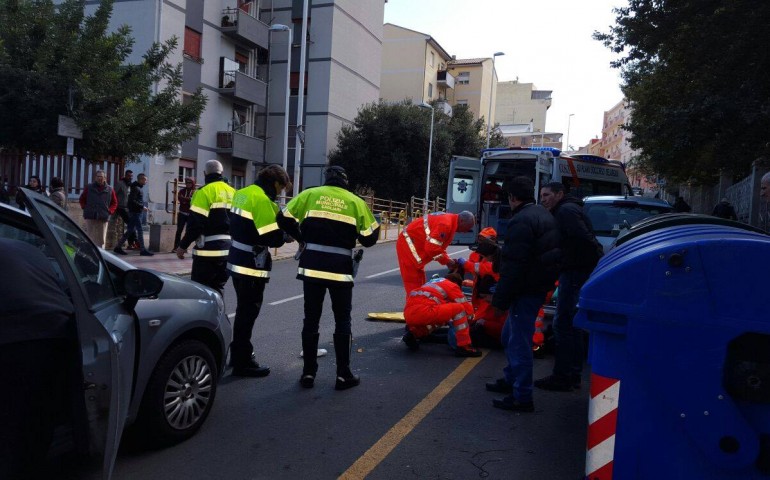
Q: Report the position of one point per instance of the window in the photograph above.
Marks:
(192, 44)
(238, 179)
(462, 188)
(464, 78)
(294, 83)
(432, 59)
(430, 90)
(462, 102)
(186, 169)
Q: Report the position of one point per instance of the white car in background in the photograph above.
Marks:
(611, 214)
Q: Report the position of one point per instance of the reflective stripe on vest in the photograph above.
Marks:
(248, 271)
(210, 253)
(338, 277)
(331, 216)
(411, 247)
(213, 238)
(328, 249)
(242, 246)
(242, 213)
(421, 293)
(267, 228)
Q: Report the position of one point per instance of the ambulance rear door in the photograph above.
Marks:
(464, 192)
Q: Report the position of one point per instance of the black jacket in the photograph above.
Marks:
(579, 248)
(531, 238)
(135, 202)
(725, 210)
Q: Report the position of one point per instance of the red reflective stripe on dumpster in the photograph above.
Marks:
(602, 424)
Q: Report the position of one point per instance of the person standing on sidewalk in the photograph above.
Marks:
(184, 197)
(254, 231)
(526, 276)
(136, 207)
(328, 220)
(122, 190)
(580, 252)
(98, 202)
(57, 192)
(209, 227)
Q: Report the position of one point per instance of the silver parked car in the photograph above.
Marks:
(611, 214)
(153, 346)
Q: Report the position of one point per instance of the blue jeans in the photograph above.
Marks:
(568, 361)
(134, 225)
(517, 341)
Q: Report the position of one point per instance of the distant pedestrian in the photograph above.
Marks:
(5, 197)
(579, 254)
(183, 197)
(724, 209)
(57, 192)
(136, 207)
(764, 189)
(98, 201)
(525, 279)
(34, 185)
(680, 206)
(209, 228)
(122, 189)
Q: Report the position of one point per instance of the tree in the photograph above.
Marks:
(694, 72)
(385, 149)
(55, 60)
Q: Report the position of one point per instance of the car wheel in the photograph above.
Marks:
(179, 395)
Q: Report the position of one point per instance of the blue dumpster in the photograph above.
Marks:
(680, 356)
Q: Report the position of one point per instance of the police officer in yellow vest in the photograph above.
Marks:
(254, 230)
(328, 220)
(209, 228)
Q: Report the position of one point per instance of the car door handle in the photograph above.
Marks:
(118, 339)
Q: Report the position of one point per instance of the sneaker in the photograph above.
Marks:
(250, 369)
(307, 380)
(511, 404)
(146, 253)
(119, 251)
(468, 351)
(554, 383)
(499, 386)
(411, 341)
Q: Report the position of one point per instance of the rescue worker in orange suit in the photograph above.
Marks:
(435, 304)
(483, 264)
(426, 239)
(254, 231)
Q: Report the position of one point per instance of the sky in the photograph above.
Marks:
(546, 42)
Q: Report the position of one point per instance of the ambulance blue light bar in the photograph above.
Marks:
(555, 151)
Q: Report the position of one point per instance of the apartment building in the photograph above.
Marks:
(521, 103)
(475, 85)
(414, 67)
(227, 48)
(615, 144)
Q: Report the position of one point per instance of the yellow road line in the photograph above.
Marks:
(380, 450)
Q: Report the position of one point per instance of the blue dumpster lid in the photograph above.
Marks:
(690, 273)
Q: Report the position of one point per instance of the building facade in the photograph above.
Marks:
(414, 67)
(521, 103)
(228, 49)
(615, 144)
(475, 86)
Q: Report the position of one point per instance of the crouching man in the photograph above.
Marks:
(435, 304)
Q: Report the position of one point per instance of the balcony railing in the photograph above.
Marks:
(234, 83)
(241, 146)
(445, 79)
(244, 28)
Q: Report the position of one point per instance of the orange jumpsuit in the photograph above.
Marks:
(436, 304)
(423, 240)
(492, 323)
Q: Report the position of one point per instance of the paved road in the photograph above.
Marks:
(415, 415)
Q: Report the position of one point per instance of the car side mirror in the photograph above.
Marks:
(140, 284)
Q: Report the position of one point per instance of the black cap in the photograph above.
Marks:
(336, 175)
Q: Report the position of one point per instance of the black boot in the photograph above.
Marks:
(309, 346)
(343, 345)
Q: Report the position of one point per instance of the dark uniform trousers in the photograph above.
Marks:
(249, 292)
(342, 299)
(210, 271)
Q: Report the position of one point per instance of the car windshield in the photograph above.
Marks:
(609, 218)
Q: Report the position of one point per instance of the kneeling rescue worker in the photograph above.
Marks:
(437, 303)
(328, 220)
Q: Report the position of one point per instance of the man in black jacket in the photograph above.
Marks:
(526, 275)
(580, 252)
(135, 205)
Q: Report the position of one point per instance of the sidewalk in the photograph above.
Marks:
(169, 263)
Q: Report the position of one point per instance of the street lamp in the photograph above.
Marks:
(569, 121)
(283, 28)
(491, 88)
(430, 152)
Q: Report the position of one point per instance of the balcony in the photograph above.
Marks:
(243, 28)
(445, 79)
(240, 146)
(443, 106)
(238, 85)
